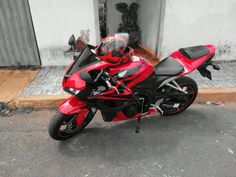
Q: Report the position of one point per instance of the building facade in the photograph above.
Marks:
(191, 22)
(38, 31)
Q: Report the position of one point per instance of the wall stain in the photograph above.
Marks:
(224, 49)
(59, 55)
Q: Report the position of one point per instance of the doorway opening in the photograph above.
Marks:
(149, 20)
(102, 18)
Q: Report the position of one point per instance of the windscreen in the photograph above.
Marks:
(85, 58)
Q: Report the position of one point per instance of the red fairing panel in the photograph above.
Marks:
(81, 116)
(190, 65)
(121, 117)
(72, 105)
(127, 66)
(75, 82)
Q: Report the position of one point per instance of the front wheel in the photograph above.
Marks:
(175, 101)
(63, 126)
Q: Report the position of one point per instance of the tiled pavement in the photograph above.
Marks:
(224, 78)
(48, 80)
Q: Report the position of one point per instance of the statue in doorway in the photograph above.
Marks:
(129, 22)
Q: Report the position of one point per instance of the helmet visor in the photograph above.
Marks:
(116, 42)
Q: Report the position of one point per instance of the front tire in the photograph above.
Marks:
(62, 126)
(188, 85)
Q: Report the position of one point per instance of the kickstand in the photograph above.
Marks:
(138, 125)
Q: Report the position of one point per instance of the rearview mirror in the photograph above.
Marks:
(85, 76)
(71, 41)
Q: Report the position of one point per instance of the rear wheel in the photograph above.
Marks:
(181, 101)
(64, 126)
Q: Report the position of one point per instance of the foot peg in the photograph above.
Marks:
(215, 66)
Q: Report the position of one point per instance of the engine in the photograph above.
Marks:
(131, 110)
(109, 109)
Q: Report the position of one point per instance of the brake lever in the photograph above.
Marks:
(112, 87)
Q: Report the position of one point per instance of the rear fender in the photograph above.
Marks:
(72, 105)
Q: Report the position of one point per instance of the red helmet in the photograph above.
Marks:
(114, 49)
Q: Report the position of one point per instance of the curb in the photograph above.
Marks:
(52, 101)
(38, 102)
(216, 94)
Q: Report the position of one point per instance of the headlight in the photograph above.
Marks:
(71, 91)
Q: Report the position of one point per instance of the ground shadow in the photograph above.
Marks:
(119, 143)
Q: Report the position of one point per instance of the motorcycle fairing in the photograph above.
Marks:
(140, 69)
(72, 105)
(81, 116)
(192, 64)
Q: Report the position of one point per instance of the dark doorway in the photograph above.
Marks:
(150, 15)
(102, 18)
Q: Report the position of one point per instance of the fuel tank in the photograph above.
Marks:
(133, 72)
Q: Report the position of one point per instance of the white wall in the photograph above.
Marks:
(55, 20)
(191, 22)
(148, 21)
(114, 16)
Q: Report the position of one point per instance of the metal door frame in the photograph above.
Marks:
(160, 29)
(37, 47)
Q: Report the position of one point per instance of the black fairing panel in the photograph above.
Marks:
(147, 89)
(203, 68)
(132, 71)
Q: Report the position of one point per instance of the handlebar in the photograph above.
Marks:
(98, 76)
(110, 81)
(92, 47)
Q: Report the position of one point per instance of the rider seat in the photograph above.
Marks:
(194, 52)
(168, 67)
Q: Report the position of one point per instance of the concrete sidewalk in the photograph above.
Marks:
(13, 82)
(45, 91)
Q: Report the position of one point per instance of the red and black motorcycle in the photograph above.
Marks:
(125, 86)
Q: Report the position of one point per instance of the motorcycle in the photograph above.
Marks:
(127, 90)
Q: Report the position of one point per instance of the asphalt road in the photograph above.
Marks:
(200, 142)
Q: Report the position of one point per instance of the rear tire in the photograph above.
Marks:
(60, 120)
(191, 87)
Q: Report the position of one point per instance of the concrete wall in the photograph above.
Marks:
(191, 22)
(55, 20)
(113, 16)
(148, 21)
